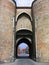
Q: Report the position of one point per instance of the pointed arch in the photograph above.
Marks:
(24, 22)
(23, 14)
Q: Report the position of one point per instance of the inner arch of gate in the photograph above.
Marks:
(26, 41)
(24, 30)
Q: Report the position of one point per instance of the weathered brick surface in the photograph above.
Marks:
(7, 13)
(23, 23)
(41, 17)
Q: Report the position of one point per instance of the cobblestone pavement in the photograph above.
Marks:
(25, 62)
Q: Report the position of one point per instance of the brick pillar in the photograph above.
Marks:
(7, 20)
(40, 9)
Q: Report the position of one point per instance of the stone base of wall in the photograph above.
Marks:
(12, 59)
(7, 13)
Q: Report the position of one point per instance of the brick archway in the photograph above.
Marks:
(26, 35)
(27, 42)
(23, 22)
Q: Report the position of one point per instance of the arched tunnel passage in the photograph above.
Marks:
(23, 50)
(24, 32)
(27, 37)
(26, 41)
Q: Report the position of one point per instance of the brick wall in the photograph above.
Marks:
(41, 16)
(7, 13)
(40, 10)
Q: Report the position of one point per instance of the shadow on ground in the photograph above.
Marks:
(24, 62)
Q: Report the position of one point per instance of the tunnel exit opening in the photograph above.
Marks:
(23, 50)
(27, 51)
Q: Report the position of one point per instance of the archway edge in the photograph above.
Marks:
(19, 39)
(23, 14)
(26, 41)
(32, 53)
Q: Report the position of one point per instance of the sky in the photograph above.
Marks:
(24, 2)
(23, 45)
